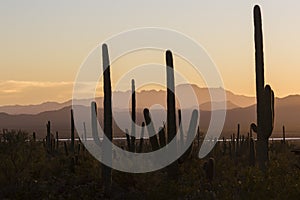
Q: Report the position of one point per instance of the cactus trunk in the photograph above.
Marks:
(283, 134)
(133, 115)
(107, 139)
(48, 137)
(72, 133)
(181, 142)
(171, 112)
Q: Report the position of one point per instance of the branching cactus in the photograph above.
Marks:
(264, 97)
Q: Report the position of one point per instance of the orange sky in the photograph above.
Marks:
(44, 44)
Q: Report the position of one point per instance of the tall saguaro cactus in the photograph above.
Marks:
(48, 137)
(133, 115)
(107, 145)
(171, 110)
(264, 96)
(72, 132)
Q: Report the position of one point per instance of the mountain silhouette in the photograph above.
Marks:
(287, 113)
(143, 100)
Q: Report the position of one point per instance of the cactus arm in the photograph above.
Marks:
(269, 112)
(151, 130)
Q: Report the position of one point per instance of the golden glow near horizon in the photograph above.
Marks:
(44, 43)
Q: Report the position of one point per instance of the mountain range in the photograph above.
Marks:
(240, 109)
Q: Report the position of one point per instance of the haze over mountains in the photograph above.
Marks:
(240, 109)
(144, 99)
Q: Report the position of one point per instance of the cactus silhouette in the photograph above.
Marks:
(181, 142)
(84, 132)
(209, 168)
(108, 132)
(162, 137)
(171, 111)
(128, 139)
(72, 132)
(34, 136)
(133, 115)
(94, 123)
(48, 137)
(151, 130)
(264, 96)
(237, 151)
(283, 134)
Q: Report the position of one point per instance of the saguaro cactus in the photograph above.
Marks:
(107, 145)
(72, 133)
(94, 123)
(34, 136)
(151, 130)
(133, 115)
(181, 142)
(209, 168)
(264, 96)
(48, 137)
(84, 132)
(128, 139)
(283, 134)
(171, 110)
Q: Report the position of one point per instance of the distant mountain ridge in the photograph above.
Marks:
(287, 112)
(144, 99)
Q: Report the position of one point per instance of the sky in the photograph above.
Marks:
(44, 43)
